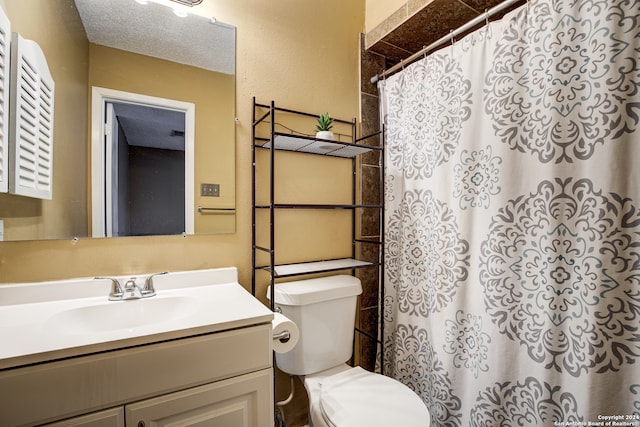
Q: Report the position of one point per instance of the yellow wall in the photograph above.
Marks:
(379, 10)
(302, 55)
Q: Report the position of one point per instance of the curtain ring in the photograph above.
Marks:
(451, 36)
(486, 17)
(424, 48)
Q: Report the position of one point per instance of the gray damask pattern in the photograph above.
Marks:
(561, 276)
(477, 178)
(466, 340)
(635, 390)
(561, 86)
(426, 257)
(426, 109)
(413, 362)
(512, 219)
(527, 403)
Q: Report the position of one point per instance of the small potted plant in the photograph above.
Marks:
(325, 123)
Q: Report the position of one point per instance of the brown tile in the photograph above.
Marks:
(391, 52)
(370, 222)
(370, 125)
(369, 252)
(369, 320)
(369, 277)
(367, 354)
(431, 23)
(426, 22)
(415, 6)
(370, 285)
(481, 5)
(371, 64)
(386, 26)
(368, 345)
(372, 157)
(371, 185)
(370, 116)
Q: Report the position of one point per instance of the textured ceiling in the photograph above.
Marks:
(422, 22)
(154, 30)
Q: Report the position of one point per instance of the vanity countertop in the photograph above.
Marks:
(47, 321)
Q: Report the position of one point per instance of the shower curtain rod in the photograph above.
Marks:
(485, 16)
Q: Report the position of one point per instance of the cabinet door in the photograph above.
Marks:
(5, 66)
(109, 418)
(31, 125)
(243, 401)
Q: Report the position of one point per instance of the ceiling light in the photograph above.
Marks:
(189, 3)
(181, 8)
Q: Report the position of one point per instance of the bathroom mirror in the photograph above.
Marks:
(194, 63)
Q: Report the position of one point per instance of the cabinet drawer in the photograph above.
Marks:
(65, 388)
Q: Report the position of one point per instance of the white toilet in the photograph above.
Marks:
(339, 395)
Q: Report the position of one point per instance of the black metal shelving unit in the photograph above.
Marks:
(266, 116)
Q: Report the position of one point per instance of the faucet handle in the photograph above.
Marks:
(148, 290)
(116, 290)
(130, 284)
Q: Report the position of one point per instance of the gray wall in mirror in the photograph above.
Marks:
(77, 64)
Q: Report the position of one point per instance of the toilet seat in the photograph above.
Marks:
(354, 397)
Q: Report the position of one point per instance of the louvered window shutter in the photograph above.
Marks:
(31, 121)
(5, 51)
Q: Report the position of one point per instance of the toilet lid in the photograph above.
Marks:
(356, 398)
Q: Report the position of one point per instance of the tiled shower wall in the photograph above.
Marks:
(370, 219)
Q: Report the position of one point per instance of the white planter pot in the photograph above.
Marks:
(325, 134)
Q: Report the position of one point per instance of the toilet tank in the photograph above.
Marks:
(324, 310)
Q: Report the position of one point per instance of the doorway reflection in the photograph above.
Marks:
(145, 167)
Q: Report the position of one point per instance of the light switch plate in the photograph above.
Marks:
(210, 190)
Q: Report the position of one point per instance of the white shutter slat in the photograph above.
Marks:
(5, 54)
(31, 124)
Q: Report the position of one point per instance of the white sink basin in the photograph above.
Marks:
(60, 319)
(129, 314)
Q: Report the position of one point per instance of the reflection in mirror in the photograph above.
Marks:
(146, 165)
(146, 170)
(77, 65)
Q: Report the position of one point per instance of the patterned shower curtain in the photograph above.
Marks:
(513, 220)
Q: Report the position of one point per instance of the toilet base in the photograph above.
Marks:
(312, 385)
(344, 396)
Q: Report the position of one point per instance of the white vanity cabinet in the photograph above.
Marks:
(238, 401)
(198, 353)
(219, 379)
